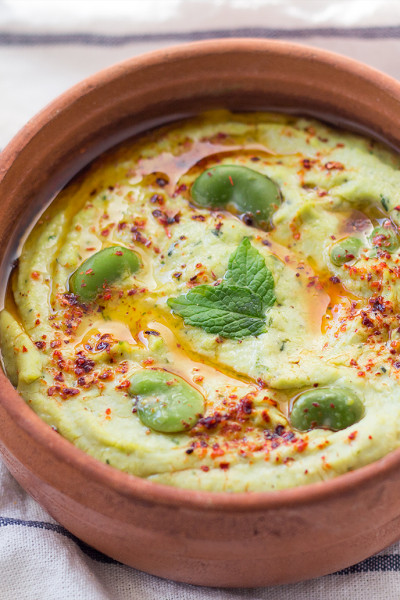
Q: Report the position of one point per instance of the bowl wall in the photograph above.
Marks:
(196, 537)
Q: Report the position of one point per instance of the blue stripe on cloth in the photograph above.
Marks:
(94, 39)
(88, 550)
(384, 562)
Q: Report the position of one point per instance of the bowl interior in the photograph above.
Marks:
(140, 94)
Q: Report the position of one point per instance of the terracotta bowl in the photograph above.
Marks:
(214, 539)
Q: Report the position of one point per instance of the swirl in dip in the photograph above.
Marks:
(216, 305)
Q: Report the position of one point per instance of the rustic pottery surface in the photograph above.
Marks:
(42, 53)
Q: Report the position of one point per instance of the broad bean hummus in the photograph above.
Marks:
(216, 305)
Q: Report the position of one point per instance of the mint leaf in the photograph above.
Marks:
(226, 310)
(247, 268)
(236, 308)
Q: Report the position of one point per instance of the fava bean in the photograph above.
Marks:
(253, 195)
(165, 402)
(384, 238)
(102, 269)
(326, 408)
(345, 251)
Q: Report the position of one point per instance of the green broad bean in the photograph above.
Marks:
(326, 408)
(345, 251)
(100, 269)
(384, 238)
(165, 402)
(253, 195)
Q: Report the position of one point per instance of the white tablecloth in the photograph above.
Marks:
(45, 47)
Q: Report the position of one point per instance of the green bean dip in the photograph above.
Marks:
(215, 305)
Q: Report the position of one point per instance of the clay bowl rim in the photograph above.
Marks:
(129, 485)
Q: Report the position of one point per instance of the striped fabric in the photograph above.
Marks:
(47, 46)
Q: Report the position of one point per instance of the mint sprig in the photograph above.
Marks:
(246, 268)
(236, 308)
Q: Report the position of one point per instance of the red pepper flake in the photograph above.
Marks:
(224, 466)
(157, 199)
(165, 219)
(108, 411)
(334, 165)
(361, 373)
(180, 189)
(123, 385)
(246, 406)
(132, 292)
(102, 346)
(35, 275)
(217, 451)
(89, 271)
(51, 390)
(301, 445)
(353, 435)
(83, 365)
(139, 237)
(37, 322)
(205, 468)
(307, 163)
(140, 223)
(40, 345)
(266, 416)
(230, 179)
(211, 421)
(147, 361)
(65, 392)
(107, 374)
(366, 321)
